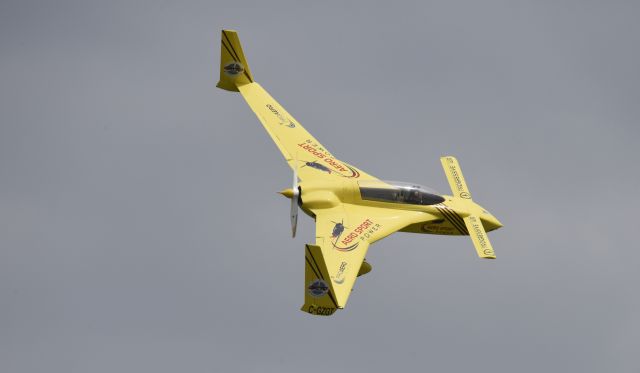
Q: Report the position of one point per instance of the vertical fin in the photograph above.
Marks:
(319, 297)
(234, 68)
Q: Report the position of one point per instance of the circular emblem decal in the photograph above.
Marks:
(465, 195)
(318, 288)
(234, 68)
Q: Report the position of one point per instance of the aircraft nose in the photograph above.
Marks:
(490, 222)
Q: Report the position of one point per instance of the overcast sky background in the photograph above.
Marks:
(140, 230)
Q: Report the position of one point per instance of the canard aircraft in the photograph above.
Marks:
(351, 208)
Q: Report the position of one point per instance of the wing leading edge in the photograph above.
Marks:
(299, 148)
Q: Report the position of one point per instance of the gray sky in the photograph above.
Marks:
(135, 237)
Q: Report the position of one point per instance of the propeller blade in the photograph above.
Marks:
(294, 199)
(294, 216)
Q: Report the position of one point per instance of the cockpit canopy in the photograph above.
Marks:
(398, 192)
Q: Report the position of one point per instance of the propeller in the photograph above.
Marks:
(294, 199)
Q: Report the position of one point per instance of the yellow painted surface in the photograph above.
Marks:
(346, 224)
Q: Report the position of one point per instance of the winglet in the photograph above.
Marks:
(319, 295)
(234, 69)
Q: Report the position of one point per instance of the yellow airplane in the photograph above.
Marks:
(351, 208)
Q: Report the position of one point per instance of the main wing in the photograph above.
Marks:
(343, 236)
(299, 148)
